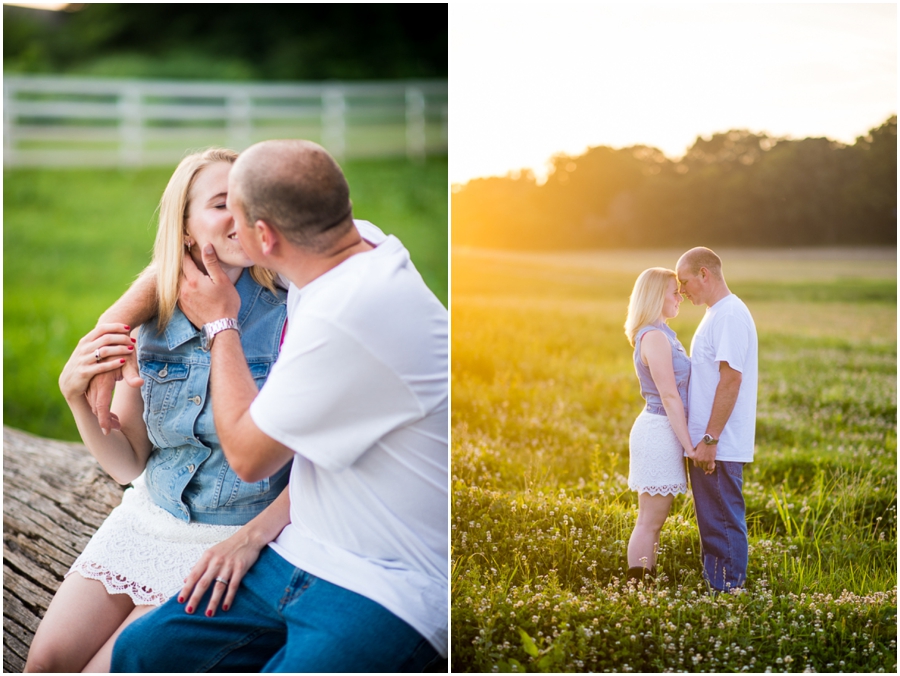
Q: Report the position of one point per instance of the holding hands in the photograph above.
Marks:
(704, 457)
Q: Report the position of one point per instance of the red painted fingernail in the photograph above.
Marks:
(134, 340)
(209, 613)
(128, 328)
(180, 599)
(189, 609)
(224, 607)
(131, 347)
(121, 361)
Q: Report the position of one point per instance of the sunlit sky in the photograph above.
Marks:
(530, 80)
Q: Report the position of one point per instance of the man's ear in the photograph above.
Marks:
(269, 237)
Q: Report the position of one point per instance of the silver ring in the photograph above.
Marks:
(97, 355)
(225, 582)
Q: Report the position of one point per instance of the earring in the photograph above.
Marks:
(188, 242)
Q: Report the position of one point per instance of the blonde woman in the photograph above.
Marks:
(186, 502)
(659, 438)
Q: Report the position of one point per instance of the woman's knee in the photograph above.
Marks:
(46, 657)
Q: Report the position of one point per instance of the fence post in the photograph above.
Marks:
(239, 122)
(130, 125)
(333, 122)
(415, 124)
(8, 126)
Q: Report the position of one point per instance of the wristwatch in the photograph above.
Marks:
(707, 438)
(209, 331)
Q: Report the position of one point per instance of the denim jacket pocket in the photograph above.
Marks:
(163, 385)
(236, 492)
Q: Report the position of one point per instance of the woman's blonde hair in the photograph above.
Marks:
(169, 249)
(647, 298)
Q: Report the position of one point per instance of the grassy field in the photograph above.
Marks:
(543, 399)
(74, 239)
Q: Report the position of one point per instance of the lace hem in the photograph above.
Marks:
(118, 584)
(669, 489)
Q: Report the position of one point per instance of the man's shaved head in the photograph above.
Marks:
(296, 187)
(701, 257)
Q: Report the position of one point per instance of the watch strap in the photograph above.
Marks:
(209, 331)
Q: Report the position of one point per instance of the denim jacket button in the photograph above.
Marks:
(191, 469)
(196, 399)
(164, 372)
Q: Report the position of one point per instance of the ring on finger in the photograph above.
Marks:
(97, 355)
(225, 582)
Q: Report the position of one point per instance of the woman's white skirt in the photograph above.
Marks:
(656, 457)
(143, 551)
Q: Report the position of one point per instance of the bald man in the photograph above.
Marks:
(357, 400)
(721, 416)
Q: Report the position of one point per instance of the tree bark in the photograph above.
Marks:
(55, 496)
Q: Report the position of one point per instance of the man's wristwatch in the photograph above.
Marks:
(707, 438)
(209, 331)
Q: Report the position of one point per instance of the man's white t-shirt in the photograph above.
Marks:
(360, 394)
(726, 333)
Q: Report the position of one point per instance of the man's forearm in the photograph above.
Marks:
(726, 396)
(137, 305)
(233, 390)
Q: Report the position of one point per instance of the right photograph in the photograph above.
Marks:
(673, 338)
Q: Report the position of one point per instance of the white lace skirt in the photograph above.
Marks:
(143, 551)
(656, 457)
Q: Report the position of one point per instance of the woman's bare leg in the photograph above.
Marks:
(79, 621)
(100, 662)
(652, 513)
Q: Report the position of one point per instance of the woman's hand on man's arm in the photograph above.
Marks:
(137, 306)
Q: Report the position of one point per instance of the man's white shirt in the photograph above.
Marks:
(360, 394)
(726, 333)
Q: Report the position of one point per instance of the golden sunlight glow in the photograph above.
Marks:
(551, 78)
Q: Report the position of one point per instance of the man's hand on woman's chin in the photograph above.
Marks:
(203, 298)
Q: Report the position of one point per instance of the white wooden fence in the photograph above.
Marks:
(69, 121)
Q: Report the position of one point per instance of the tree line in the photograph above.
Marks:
(243, 41)
(737, 188)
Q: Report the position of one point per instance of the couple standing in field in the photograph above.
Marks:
(701, 407)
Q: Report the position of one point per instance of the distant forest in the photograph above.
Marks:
(283, 41)
(734, 189)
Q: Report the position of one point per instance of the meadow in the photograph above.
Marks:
(73, 240)
(543, 399)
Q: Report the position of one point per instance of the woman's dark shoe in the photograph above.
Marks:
(639, 573)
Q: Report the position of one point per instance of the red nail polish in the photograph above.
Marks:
(209, 613)
(131, 347)
(189, 609)
(134, 340)
(180, 599)
(224, 607)
(128, 328)
(121, 361)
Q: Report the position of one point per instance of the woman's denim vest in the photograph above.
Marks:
(681, 364)
(187, 473)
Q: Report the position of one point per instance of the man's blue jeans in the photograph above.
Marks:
(282, 620)
(721, 518)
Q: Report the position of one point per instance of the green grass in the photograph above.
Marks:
(544, 396)
(73, 240)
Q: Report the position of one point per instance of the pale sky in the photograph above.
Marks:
(528, 80)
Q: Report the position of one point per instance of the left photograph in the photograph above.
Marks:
(225, 338)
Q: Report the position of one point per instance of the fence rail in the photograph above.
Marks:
(69, 121)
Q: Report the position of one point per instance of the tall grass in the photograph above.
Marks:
(73, 240)
(544, 396)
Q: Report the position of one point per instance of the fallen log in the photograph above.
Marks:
(55, 496)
